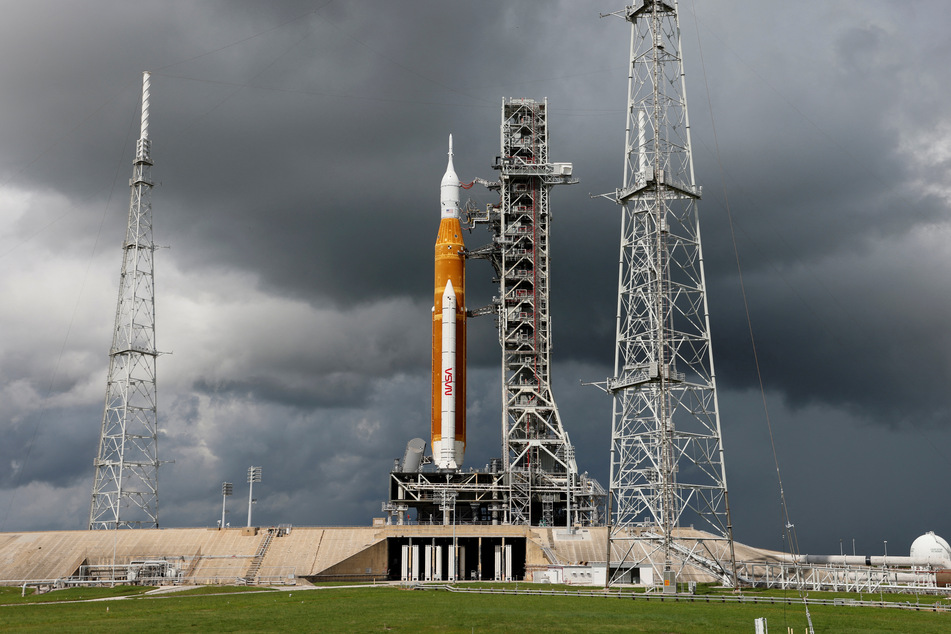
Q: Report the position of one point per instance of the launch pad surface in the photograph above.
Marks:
(287, 555)
(292, 555)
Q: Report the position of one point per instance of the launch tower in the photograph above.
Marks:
(125, 489)
(537, 453)
(667, 460)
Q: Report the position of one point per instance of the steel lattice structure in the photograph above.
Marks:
(667, 460)
(125, 489)
(543, 481)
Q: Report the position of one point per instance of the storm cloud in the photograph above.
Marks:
(298, 149)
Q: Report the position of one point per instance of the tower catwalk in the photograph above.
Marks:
(125, 489)
(667, 461)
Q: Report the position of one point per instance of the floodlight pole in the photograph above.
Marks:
(226, 490)
(254, 475)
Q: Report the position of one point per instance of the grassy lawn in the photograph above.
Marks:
(397, 610)
(13, 594)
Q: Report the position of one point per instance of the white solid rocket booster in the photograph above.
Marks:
(448, 459)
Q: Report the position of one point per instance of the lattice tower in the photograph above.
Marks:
(537, 454)
(125, 489)
(667, 459)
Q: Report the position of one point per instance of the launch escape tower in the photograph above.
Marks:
(125, 489)
(667, 460)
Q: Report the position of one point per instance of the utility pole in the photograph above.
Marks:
(125, 487)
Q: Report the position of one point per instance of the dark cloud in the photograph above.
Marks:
(298, 148)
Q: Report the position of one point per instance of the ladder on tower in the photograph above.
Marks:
(520, 497)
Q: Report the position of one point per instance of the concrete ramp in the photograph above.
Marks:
(206, 555)
(48, 555)
(55, 555)
(342, 544)
(367, 564)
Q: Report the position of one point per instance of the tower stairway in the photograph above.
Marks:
(251, 575)
(550, 554)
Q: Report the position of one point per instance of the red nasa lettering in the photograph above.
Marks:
(447, 382)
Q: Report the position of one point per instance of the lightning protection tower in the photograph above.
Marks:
(125, 489)
(667, 460)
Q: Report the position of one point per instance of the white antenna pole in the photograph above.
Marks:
(146, 87)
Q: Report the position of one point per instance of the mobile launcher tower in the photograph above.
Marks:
(536, 481)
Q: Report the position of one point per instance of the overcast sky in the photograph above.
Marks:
(298, 149)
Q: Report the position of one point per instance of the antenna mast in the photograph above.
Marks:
(667, 460)
(125, 489)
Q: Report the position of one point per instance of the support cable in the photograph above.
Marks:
(788, 526)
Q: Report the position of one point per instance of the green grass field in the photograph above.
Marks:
(389, 609)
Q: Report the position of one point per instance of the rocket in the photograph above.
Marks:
(449, 330)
